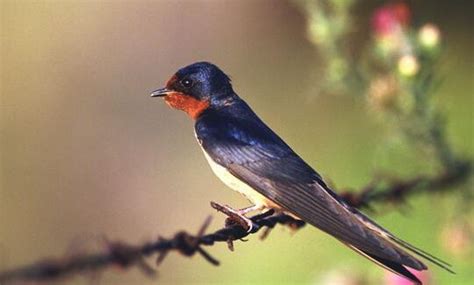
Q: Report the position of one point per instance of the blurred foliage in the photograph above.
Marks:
(398, 76)
(328, 24)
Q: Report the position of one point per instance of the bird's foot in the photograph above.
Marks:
(234, 216)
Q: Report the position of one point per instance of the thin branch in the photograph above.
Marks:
(126, 256)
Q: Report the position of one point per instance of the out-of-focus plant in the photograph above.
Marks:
(457, 238)
(397, 75)
(401, 78)
(328, 25)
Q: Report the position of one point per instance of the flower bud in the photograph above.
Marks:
(390, 18)
(408, 65)
(429, 36)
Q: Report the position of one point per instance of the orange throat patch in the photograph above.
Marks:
(193, 107)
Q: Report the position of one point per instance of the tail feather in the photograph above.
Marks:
(389, 265)
(433, 259)
(392, 238)
(395, 268)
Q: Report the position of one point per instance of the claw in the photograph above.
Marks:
(235, 216)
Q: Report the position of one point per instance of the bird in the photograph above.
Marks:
(249, 157)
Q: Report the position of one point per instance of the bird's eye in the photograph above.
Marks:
(187, 82)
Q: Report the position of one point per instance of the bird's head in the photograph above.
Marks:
(197, 87)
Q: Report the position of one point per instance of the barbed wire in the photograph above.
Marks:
(124, 255)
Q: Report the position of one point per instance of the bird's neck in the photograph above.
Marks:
(193, 107)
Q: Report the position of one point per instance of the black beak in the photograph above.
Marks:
(160, 92)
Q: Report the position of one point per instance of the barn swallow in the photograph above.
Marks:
(250, 158)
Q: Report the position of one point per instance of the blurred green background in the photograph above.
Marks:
(86, 153)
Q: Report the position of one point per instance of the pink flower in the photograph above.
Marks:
(393, 279)
(389, 18)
